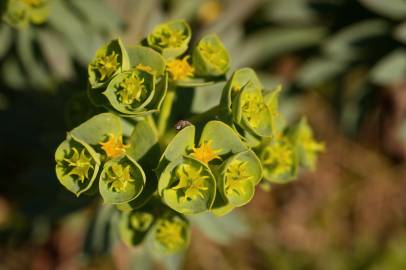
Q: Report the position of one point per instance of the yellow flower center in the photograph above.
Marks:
(191, 181)
(179, 69)
(132, 89)
(113, 147)
(106, 65)
(80, 163)
(278, 157)
(236, 174)
(167, 37)
(118, 177)
(205, 153)
(170, 234)
(145, 68)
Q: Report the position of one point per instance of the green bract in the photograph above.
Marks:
(171, 39)
(133, 226)
(110, 59)
(210, 58)
(169, 234)
(121, 180)
(20, 13)
(279, 160)
(77, 165)
(243, 103)
(308, 148)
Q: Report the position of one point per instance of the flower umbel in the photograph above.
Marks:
(236, 174)
(119, 177)
(191, 181)
(80, 163)
(106, 65)
(180, 69)
(131, 89)
(114, 147)
(205, 153)
(170, 234)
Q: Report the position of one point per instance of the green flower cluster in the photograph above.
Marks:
(21, 13)
(156, 178)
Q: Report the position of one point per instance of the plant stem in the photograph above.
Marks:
(166, 111)
(210, 114)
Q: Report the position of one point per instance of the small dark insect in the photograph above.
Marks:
(181, 124)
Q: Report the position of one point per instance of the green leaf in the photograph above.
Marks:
(122, 180)
(142, 139)
(391, 69)
(343, 45)
(394, 9)
(319, 70)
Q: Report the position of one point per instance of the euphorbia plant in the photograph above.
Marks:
(156, 176)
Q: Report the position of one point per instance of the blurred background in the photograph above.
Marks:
(342, 63)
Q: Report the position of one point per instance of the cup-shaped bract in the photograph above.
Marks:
(307, 147)
(129, 92)
(121, 180)
(188, 186)
(20, 13)
(110, 59)
(77, 165)
(133, 226)
(169, 234)
(210, 57)
(171, 39)
(243, 104)
(238, 177)
(279, 160)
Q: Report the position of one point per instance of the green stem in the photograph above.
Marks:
(210, 114)
(166, 111)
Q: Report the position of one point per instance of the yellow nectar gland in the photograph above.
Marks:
(113, 147)
(106, 65)
(279, 157)
(167, 37)
(180, 69)
(132, 89)
(145, 68)
(236, 174)
(252, 108)
(80, 163)
(170, 234)
(118, 177)
(191, 181)
(205, 153)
